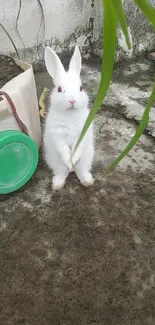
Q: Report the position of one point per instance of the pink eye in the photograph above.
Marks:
(59, 89)
(81, 88)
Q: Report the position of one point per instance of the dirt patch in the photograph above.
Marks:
(80, 256)
(8, 69)
(83, 256)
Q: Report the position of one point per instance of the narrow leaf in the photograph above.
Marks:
(139, 132)
(109, 44)
(122, 19)
(147, 9)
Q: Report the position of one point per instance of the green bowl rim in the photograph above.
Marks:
(17, 136)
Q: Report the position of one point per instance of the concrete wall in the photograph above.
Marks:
(67, 22)
(141, 33)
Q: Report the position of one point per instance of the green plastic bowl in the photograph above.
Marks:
(18, 160)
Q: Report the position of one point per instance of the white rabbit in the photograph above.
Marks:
(65, 119)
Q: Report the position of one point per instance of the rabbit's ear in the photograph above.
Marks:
(53, 63)
(75, 62)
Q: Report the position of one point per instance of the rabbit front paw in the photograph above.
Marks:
(67, 162)
(75, 159)
(69, 166)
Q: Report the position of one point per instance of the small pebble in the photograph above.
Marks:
(151, 56)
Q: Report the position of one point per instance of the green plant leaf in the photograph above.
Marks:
(122, 20)
(109, 41)
(139, 132)
(147, 9)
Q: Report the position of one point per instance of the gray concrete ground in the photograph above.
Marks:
(86, 256)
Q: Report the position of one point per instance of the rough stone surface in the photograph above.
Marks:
(129, 90)
(83, 256)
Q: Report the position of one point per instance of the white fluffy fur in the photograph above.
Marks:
(64, 123)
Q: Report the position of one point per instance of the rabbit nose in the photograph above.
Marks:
(72, 101)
